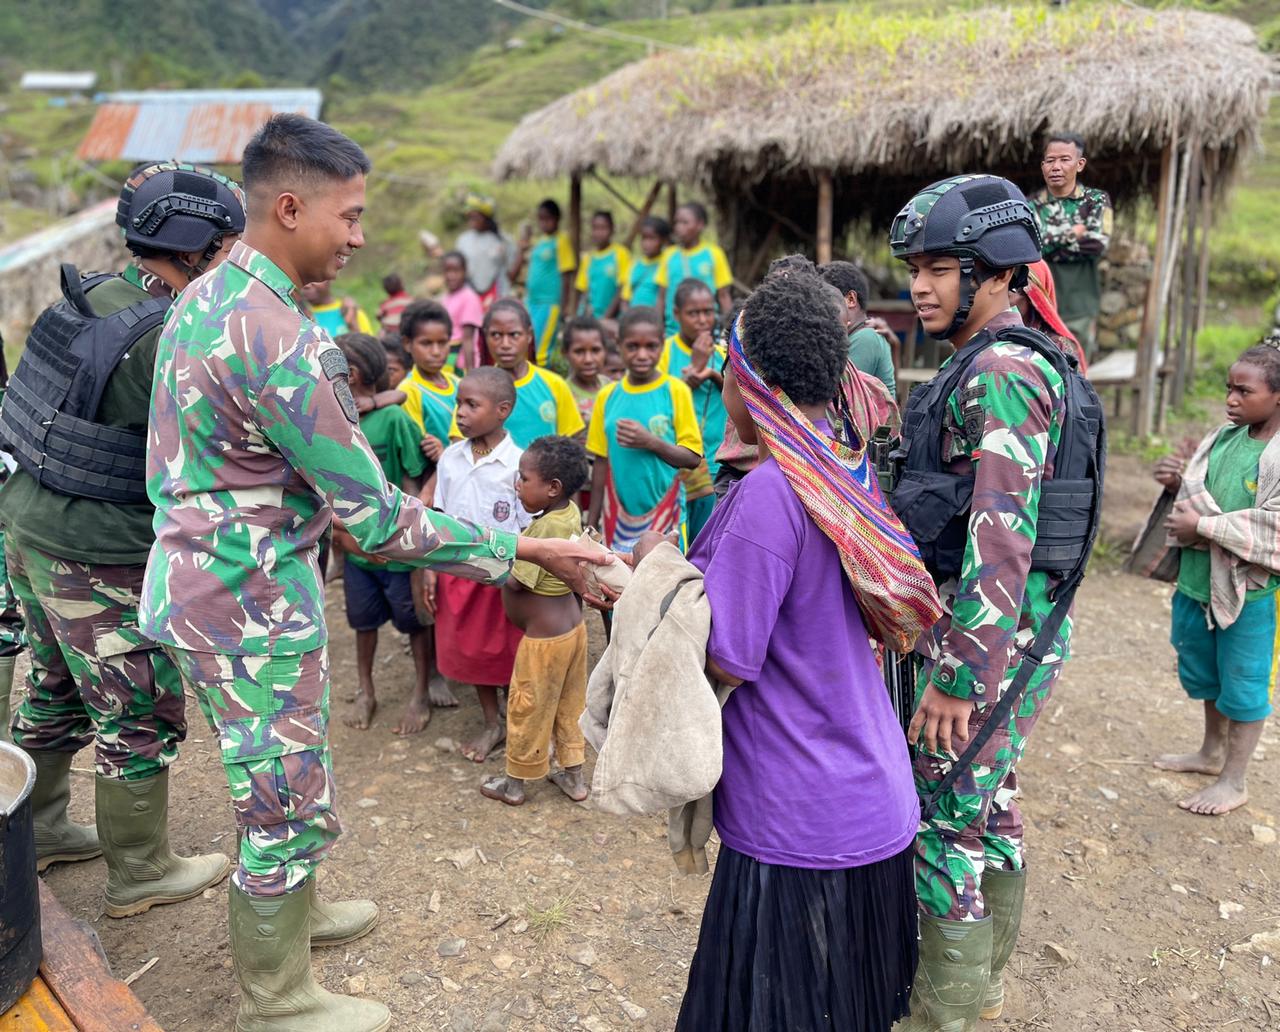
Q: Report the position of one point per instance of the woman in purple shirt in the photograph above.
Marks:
(810, 925)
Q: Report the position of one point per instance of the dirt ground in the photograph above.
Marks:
(555, 917)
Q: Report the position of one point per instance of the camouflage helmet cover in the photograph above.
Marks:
(177, 207)
(974, 216)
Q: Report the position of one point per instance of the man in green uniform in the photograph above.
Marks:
(254, 447)
(1075, 229)
(77, 545)
(965, 240)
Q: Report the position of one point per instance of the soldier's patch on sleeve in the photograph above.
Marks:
(974, 416)
(334, 364)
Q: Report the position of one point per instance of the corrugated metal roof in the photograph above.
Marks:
(59, 80)
(209, 126)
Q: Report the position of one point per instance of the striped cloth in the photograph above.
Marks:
(838, 485)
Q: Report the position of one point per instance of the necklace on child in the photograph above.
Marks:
(479, 453)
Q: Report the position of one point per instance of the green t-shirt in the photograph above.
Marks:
(84, 529)
(396, 441)
(870, 353)
(1232, 480)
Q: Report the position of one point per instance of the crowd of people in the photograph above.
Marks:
(482, 463)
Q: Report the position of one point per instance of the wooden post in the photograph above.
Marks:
(826, 201)
(575, 235)
(1202, 275)
(649, 200)
(1148, 342)
(672, 203)
(1181, 372)
(1168, 297)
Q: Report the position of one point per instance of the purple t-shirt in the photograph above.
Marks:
(816, 770)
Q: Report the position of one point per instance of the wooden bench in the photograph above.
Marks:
(1118, 371)
(75, 990)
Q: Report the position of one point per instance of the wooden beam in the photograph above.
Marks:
(613, 191)
(1202, 274)
(1149, 339)
(1181, 372)
(672, 203)
(649, 200)
(826, 202)
(575, 234)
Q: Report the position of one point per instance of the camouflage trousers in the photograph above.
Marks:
(12, 635)
(977, 824)
(271, 716)
(94, 677)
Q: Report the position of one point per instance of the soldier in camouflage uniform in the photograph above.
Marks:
(1075, 229)
(254, 447)
(76, 564)
(12, 635)
(1002, 426)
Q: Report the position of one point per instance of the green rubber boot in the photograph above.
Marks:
(142, 871)
(951, 978)
(6, 686)
(333, 924)
(1004, 892)
(270, 945)
(57, 839)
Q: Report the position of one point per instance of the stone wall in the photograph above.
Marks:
(1125, 273)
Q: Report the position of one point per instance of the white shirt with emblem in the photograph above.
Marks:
(482, 490)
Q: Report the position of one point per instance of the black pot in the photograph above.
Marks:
(19, 890)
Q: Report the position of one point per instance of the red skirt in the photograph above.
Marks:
(475, 642)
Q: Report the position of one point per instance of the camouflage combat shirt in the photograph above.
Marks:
(1002, 424)
(254, 444)
(1074, 260)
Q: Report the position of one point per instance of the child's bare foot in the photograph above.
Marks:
(1219, 798)
(504, 789)
(478, 749)
(440, 694)
(360, 716)
(571, 782)
(416, 716)
(1190, 763)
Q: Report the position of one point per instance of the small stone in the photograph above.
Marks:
(1262, 942)
(463, 858)
(520, 927)
(411, 978)
(1181, 890)
(449, 985)
(1225, 910)
(208, 893)
(1059, 954)
(433, 903)
(445, 744)
(1108, 794)
(633, 1011)
(502, 961)
(584, 955)
(460, 1021)
(594, 1023)
(1263, 835)
(356, 985)
(1070, 749)
(1093, 849)
(366, 803)
(451, 947)
(522, 1007)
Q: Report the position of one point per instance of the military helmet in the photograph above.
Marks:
(977, 217)
(174, 207)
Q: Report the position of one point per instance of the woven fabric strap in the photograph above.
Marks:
(838, 486)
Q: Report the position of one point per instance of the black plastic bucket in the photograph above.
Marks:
(20, 949)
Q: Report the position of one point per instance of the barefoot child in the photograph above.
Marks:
(426, 329)
(476, 480)
(1227, 522)
(549, 681)
(552, 262)
(376, 591)
(466, 311)
(642, 430)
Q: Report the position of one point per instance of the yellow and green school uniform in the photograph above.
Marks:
(642, 492)
(706, 262)
(550, 257)
(641, 287)
(544, 405)
(430, 405)
(712, 416)
(601, 275)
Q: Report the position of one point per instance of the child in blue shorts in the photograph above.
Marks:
(1226, 611)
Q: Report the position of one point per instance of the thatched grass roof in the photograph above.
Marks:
(885, 102)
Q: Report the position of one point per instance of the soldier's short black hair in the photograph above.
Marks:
(580, 324)
(1265, 355)
(560, 458)
(699, 211)
(795, 337)
(603, 214)
(550, 207)
(688, 288)
(419, 313)
(291, 151)
(494, 383)
(848, 279)
(638, 315)
(1066, 137)
(365, 353)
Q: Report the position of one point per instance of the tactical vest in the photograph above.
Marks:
(934, 504)
(49, 411)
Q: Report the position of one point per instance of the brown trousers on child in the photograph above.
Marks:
(547, 696)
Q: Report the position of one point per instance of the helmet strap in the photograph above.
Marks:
(970, 279)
